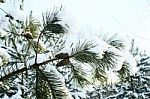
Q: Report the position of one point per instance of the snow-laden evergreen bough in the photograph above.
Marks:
(25, 57)
(48, 62)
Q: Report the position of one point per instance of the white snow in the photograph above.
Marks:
(132, 62)
(17, 95)
(41, 45)
(5, 97)
(1, 63)
(2, 33)
(112, 77)
(101, 46)
(70, 20)
(40, 58)
(72, 39)
(4, 56)
(78, 95)
(120, 58)
(1, 83)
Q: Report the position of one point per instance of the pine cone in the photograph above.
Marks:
(28, 35)
(62, 56)
(2, 1)
(63, 62)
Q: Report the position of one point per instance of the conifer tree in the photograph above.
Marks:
(33, 64)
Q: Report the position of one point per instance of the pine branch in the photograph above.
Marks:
(79, 75)
(51, 23)
(114, 41)
(25, 68)
(99, 75)
(109, 60)
(117, 44)
(36, 53)
(43, 90)
(56, 84)
(124, 71)
(81, 53)
(13, 73)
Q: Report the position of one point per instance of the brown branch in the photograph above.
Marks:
(36, 53)
(25, 68)
(13, 73)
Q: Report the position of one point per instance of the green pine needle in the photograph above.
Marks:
(79, 76)
(124, 71)
(51, 23)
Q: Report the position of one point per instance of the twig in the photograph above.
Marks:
(36, 53)
(4, 11)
